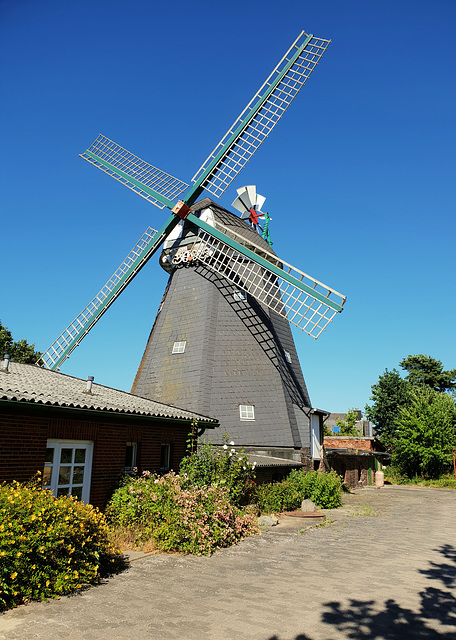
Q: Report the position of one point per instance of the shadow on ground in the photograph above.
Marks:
(367, 620)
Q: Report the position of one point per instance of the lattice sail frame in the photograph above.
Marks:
(69, 339)
(134, 173)
(301, 299)
(283, 85)
(294, 299)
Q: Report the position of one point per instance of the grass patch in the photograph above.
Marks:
(365, 511)
(446, 481)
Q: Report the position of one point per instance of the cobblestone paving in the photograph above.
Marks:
(384, 568)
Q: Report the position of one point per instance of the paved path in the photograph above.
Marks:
(387, 576)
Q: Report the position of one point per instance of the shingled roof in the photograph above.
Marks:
(25, 383)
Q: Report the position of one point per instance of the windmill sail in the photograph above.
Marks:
(291, 293)
(155, 185)
(261, 114)
(302, 300)
(69, 339)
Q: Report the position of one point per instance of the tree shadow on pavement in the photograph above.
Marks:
(366, 620)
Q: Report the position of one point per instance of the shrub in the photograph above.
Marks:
(175, 515)
(49, 546)
(220, 467)
(322, 488)
(445, 481)
(277, 497)
(426, 434)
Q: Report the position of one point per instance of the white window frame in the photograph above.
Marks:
(179, 347)
(288, 356)
(239, 296)
(54, 484)
(247, 412)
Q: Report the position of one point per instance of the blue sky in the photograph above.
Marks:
(358, 175)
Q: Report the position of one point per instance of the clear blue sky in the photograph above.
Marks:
(359, 175)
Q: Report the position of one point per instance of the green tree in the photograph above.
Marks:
(389, 395)
(426, 433)
(423, 369)
(20, 351)
(347, 427)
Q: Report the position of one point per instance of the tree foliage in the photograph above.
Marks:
(422, 369)
(426, 433)
(389, 395)
(347, 427)
(20, 350)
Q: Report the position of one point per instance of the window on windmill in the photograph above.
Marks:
(130, 456)
(179, 347)
(239, 296)
(247, 412)
(165, 458)
(287, 356)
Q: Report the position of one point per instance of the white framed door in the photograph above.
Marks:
(68, 468)
(315, 444)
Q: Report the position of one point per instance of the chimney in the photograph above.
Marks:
(90, 380)
(6, 361)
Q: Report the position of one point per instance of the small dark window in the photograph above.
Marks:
(165, 458)
(130, 456)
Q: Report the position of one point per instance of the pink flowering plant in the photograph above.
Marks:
(175, 515)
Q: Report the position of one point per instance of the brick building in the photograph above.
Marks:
(84, 436)
(356, 459)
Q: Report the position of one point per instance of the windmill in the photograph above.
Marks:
(223, 251)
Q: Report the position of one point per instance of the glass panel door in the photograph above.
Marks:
(67, 468)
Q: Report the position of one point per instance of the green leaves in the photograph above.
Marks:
(348, 427)
(48, 546)
(20, 351)
(222, 466)
(426, 434)
(175, 515)
(414, 417)
(324, 489)
(389, 394)
(422, 369)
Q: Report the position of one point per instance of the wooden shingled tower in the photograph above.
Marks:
(215, 349)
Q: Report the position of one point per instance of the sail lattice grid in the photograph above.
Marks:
(262, 120)
(137, 172)
(61, 348)
(296, 296)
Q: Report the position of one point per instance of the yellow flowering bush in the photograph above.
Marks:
(49, 546)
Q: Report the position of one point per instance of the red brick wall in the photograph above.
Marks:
(345, 442)
(23, 444)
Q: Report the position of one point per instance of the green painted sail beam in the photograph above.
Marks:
(280, 273)
(245, 123)
(158, 196)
